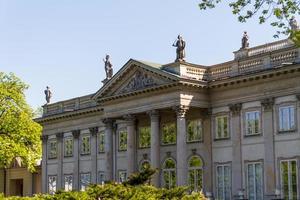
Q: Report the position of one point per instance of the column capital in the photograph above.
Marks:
(44, 138)
(235, 108)
(181, 110)
(59, 135)
(93, 130)
(298, 97)
(154, 114)
(108, 122)
(207, 112)
(268, 103)
(76, 133)
(129, 118)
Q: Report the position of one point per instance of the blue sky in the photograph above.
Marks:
(61, 43)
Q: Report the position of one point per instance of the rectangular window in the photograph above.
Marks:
(194, 131)
(223, 182)
(52, 149)
(68, 182)
(144, 137)
(122, 176)
(52, 184)
(101, 142)
(85, 180)
(85, 145)
(169, 133)
(287, 118)
(101, 177)
(255, 181)
(122, 140)
(68, 147)
(252, 123)
(289, 174)
(222, 128)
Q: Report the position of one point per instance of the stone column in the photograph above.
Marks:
(131, 144)
(237, 176)
(60, 157)
(94, 131)
(155, 145)
(269, 161)
(108, 135)
(181, 147)
(44, 163)
(76, 153)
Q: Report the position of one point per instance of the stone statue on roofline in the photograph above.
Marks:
(48, 94)
(293, 24)
(245, 41)
(108, 67)
(180, 49)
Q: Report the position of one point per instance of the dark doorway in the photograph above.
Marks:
(16, 187)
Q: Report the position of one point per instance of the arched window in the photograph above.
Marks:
(169, 173)
(145, 164)
(195, 173)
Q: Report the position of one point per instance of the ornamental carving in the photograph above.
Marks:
(139, 81)
(235, 108)
(268, 104)
(76, 133)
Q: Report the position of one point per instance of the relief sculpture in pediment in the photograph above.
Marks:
(139, 81)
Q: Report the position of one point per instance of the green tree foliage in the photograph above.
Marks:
(19, 134)
(141, 178)
(279, 12)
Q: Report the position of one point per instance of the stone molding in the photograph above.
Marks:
(130, 119)
(154, 115)
(268, 103)
(235, 108)
(59, 135)
(108, 122)
(76, 133)
(181, 110)
(93, 130)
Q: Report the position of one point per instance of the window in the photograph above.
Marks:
(68, 147)
(169, 133)
(252, 123)
(85, 180)
(194, 131)
(101, 177)
(288, 171)
(255, 181)
(195, 177)
(52, 149)
(122, 140)
(287, 118)
(52, 184)
(122, 176)
(169, 173)
(145, 164)
(101, 142)
(85, 145)
(223, 182)
(68, 182)
(144, 137)
(222, 127)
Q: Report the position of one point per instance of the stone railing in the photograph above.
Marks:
(274, 46)
(195, 73)
(69, 105)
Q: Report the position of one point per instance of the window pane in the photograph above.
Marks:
(85, 145)
(122, 176)
(68, 147)
(52, 149)
(289, 172)
(194, 131)
(52, 184)
(123, 140)
(223, 182)
(68, 183)
(85, 180)
(101, 142)
(169, 133)
(144, 137)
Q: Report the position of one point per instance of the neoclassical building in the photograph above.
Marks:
(229, 129)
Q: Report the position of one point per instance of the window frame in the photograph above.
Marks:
(48, 184)
(215, 125)
(139, 137)
(245, 122)
(194, 169)
(119, 139)
(119, 173)
(72, 149)
(162, 134)
(281, 160)
(50, 141)
(68, 175)
(101, 135)
(281, 106)
(81, 183)
(168, 170)
(225, 164)
(83, 153)
(254, 162)
(201, 134)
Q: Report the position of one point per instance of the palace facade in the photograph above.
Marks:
(230, 129)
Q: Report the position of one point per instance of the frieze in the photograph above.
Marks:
(139, 81)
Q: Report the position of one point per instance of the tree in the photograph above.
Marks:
(19, 134)
(279, 12)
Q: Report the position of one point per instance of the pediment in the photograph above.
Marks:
(135, 77)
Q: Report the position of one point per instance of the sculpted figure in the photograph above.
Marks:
(108, 67)
(180, 50)
(245, 41)
(48, 94)
(294, 24)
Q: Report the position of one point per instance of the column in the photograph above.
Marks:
(237, 176)
(108, 135)
(60, 156)
(181, 147)
(131, 144)
(155, 146)
(44, 163)
(268, 134)
(76, 152)
(94, 131)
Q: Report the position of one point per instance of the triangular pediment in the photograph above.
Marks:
(135, 76)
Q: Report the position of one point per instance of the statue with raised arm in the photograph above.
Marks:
(48, 94)
(108, 67)
(180, 48)
(294, 24)
(245, 41)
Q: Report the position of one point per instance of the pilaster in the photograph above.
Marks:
(60, 156)
(76, 134)
(44, 163)
(131, 144)
(109, 166)
(94, 131)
